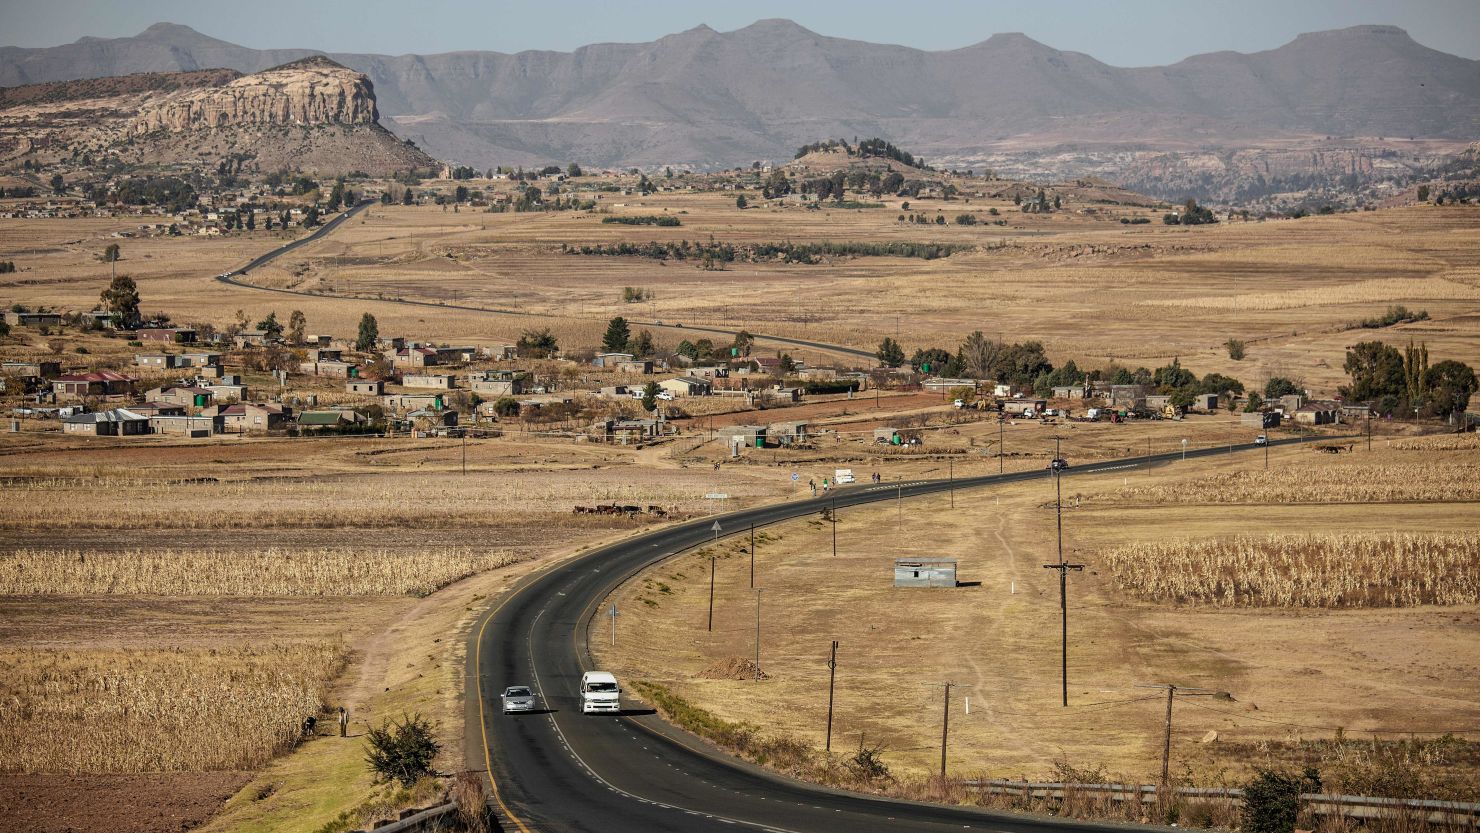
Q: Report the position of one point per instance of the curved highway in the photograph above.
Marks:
(564, 771)
(234, 278)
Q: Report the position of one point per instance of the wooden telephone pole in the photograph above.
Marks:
(1063, 569)
(832, 676)
(1166, 743)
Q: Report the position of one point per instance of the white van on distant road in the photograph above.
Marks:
(600, 693)
(842, 476)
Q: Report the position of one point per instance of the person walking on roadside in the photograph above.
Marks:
(343, 722)
(812, 484)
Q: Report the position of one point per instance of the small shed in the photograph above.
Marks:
(748, 435)
(924, 572)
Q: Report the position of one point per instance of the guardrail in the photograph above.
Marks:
(1454, 813)
(435, 818)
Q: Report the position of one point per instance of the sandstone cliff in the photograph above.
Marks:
(310, 92)
(312, 115)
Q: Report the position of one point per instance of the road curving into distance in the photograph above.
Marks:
(564, 771)
(234, 278)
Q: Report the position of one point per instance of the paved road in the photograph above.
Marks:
(234, 278)
(564, 771)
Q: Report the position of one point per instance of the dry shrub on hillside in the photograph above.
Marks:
(1332, 571)
(271, 572)
(158, 710)
(1334, 484)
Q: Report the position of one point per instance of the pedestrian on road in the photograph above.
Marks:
(812, 484)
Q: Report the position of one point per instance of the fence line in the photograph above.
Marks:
(1322, 804)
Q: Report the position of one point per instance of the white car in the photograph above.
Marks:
(1262, 439)
(959, 403)
(666, 396)
(518, 698)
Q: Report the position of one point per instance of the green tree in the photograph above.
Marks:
(740, 201)
(742, 345)
(1415, 370)
(1423, 193)
(369, 333)
(112, 253)
(506, 406)
(406, 197)
(402, 750)
(650, 396)
(1376, 370)
(122, 299)
(979, 355)
(890, 354)
(617, 335)
(687, 349)
(1278, 386)
(58, 185)
(537, 344)
(270, 326)
(1450, 385)
(1235, 349)
(933, 360)
(642, 346)
(1272, 800)
(297, 324)
(573, 170)
(1255, 404)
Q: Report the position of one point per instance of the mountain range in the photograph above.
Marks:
(707, 99)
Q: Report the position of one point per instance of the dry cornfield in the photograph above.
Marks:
(113, 711)
(1441, 442)
(359, 501)
(270, 572)
(1326, 571)
(1334, 484)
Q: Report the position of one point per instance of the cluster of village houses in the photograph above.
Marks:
(430, 383)
(207, 218)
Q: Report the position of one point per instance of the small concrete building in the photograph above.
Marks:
(610, 359)
(1022, 406)
(787, 433)
(369, 387)
(37, 369)
(1260, 419)
(185, 426)
(1317, 413)
(429, 381)
(159, 360)
(924, 572)
(1070, 392)
(118, 422)
(685, 386)
(1207, 402)
(636, 367)
(752, 436)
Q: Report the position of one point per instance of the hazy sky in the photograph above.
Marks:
(1119, 32)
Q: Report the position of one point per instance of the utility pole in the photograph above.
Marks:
(711, 578)
(1369, 429)
(465, 451)
(832, 676)
(945, 731)
(945, 724)
(1063, 568)
(757, 634)
(752, 556)
(952, 461)
(1166, 743)
(831, 513)
(1001, 450)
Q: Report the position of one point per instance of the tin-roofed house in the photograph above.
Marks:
(924, 572)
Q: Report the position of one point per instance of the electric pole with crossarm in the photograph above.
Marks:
(1063, 568)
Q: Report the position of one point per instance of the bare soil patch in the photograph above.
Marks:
(147, 803)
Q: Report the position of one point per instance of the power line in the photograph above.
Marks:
(1463, 731)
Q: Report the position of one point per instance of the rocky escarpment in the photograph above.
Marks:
(310, 92)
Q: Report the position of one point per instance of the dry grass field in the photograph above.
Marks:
(181, 607)
(1089, 287)
(1301, 667)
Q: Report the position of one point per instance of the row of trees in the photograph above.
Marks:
(1026, 365)
(1404, 382)
(619, 339)
(807, 253)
